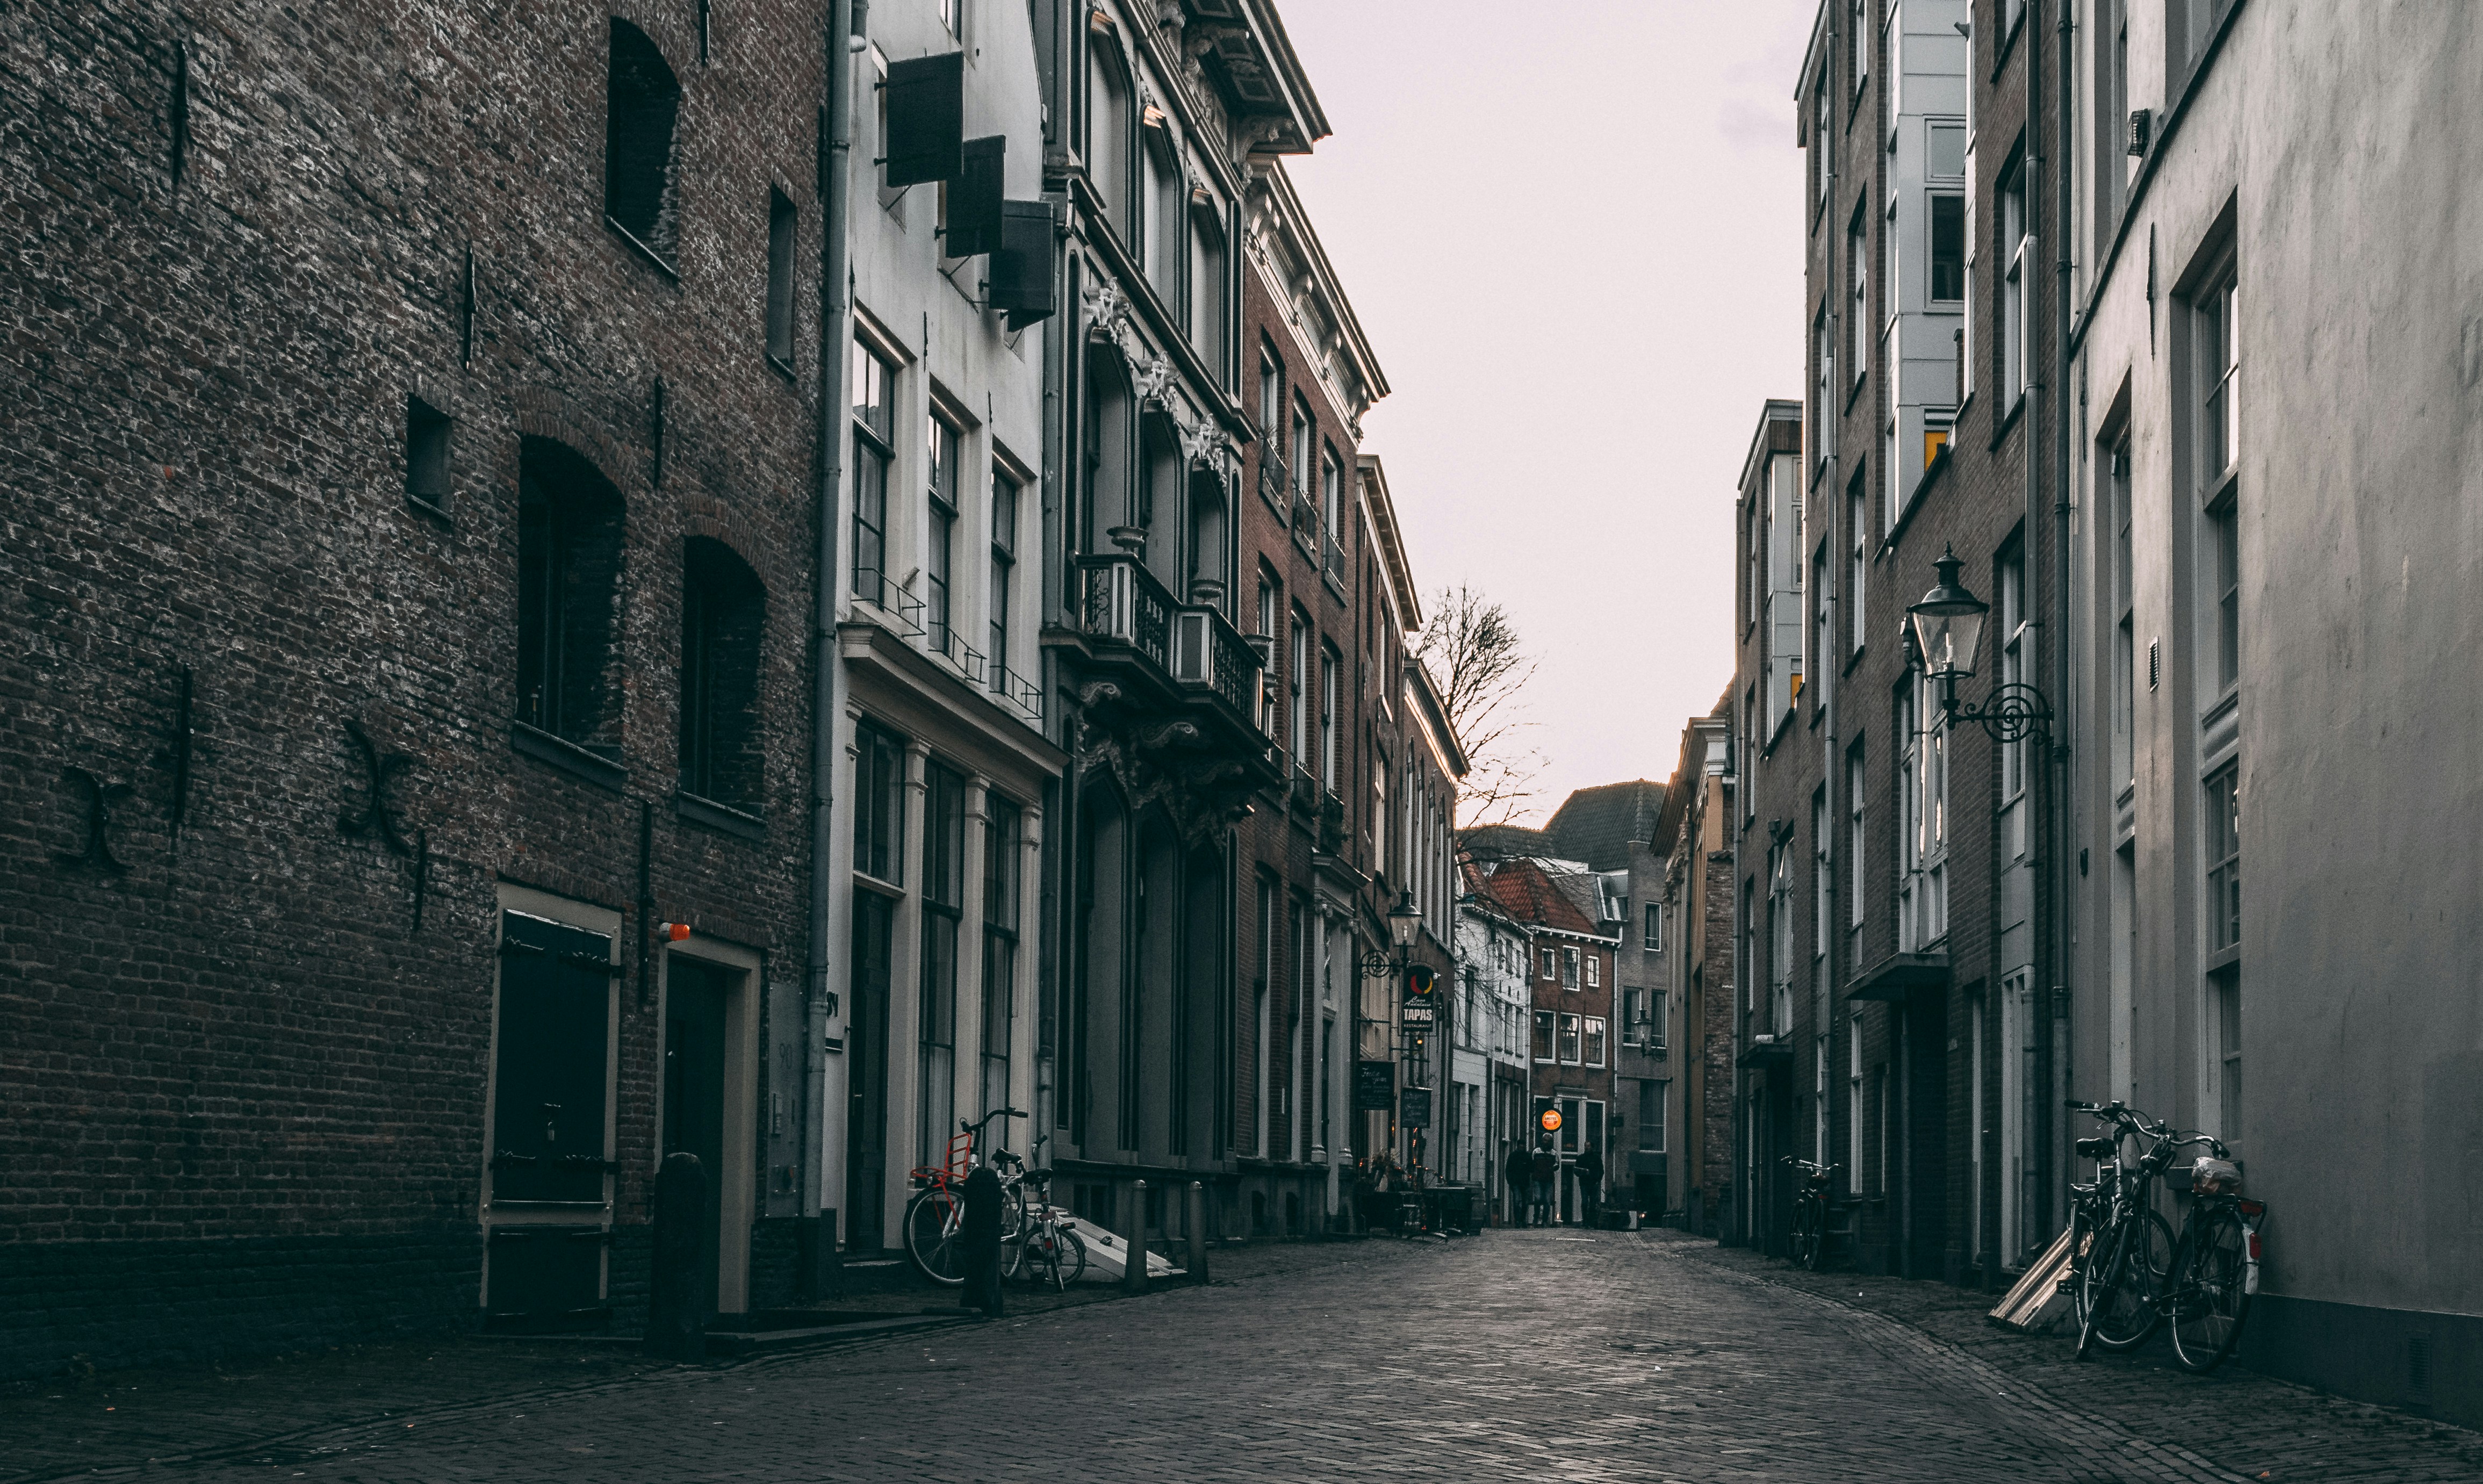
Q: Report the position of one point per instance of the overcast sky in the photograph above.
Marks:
(1573, 229)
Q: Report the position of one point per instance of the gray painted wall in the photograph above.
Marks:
(2330, 141)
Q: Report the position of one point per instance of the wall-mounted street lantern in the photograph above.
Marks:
(1946, 626)
(1402, 919)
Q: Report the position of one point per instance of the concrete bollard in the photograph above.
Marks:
(1197, 1232)
(1134, 1263)
(676, 1288)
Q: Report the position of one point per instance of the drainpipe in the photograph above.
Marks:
(2044, 851)
(819, 999)
(2065, 891)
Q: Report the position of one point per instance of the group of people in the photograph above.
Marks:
(1533, 1178)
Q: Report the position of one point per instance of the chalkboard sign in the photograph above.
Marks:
(1417, 1110)
(1374, 1086)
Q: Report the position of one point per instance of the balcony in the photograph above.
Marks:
(1306, 523)
(1187, 659)
(1275, 481)
(1334, 563)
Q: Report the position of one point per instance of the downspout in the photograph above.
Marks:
(819, 999)
(2044, 853)
(2064, 818)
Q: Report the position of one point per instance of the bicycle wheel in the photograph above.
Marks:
(2121, 1305)
(1807, 1235)
(931, 1237)
(2210, 1295)
(1071, 1259)
(1014, 1230)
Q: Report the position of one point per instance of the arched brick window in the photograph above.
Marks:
(641, 192)
(724, 611)
(569, 598)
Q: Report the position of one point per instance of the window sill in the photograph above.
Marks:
(2007, 419)
(722, 817)
(784, 368)
(1854, 659)
(1854, 394)
(423, 507)
(567, 757)
(642, 250)
(2223, 707)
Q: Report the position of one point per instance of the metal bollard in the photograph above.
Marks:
(1197, 1232)
(1134, 1257)
(676, 1292)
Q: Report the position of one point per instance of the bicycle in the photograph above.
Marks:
(2113, 1219)
(936, 1214)
(2206, 1286)
(1049, 1248)
(1810, 1213)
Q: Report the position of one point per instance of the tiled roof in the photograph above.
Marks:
(1499, 842)
(1599, 825)
(1528, 896)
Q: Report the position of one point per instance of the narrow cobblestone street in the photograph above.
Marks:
(1518, 1355)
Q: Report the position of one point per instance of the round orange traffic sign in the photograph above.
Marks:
(1551, 1120)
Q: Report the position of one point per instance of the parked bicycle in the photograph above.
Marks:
(1049, 1248)
(2204, 1284)
(936, 1214)
(1811, 1231)
(2102, 1213)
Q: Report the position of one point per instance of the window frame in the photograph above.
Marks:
(873, 427)
(941, 474)
(1007, 492)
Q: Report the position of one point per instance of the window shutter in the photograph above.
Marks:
(1020, 275)
(547, 1105)
(926, 119)
(974, 204)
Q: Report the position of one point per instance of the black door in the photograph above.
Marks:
(549, 1093)
(1926, 1142)
(694, 1088)
(867, 1075)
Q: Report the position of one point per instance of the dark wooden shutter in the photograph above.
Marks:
(974, 203)
(926, 119)
(548, 1080)
(1020, 275)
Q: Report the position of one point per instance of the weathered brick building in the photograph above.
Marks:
(1571, 1051)
(1694, 833)
(410, 454)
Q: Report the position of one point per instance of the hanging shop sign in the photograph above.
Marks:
(1374, 1086)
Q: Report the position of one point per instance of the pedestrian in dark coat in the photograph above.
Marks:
(980, 1232)
(1547, 1181)
(1514, 1177)
(1591, 1183)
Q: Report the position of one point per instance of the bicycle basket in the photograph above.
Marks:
(2214, 1176)
(2095, 1147)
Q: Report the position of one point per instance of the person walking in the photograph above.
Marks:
(1547, 1176)
(1519, 1169)
(979, 1230)
(1590, 1185)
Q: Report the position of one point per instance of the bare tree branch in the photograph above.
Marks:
(1471, 648)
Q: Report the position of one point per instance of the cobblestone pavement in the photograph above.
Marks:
(1514, 1355)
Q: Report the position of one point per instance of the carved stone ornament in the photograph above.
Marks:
(1107, 306)
(1208, 448)
(1161, 761)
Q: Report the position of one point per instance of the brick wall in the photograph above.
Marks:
(240, 1037)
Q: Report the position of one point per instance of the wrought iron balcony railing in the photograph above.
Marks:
(1125, 604)
(1191, 646)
